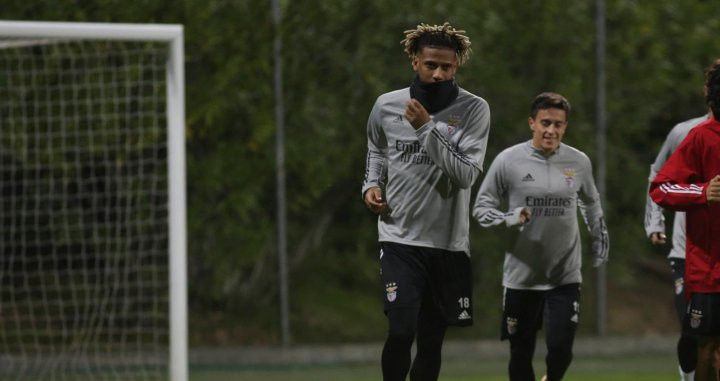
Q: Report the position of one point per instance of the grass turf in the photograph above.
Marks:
(628, 368)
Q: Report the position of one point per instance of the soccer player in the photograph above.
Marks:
(655, 230)
(543, 182)
(690, 181)
(426, 145)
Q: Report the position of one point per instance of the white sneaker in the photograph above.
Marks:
(544, 378)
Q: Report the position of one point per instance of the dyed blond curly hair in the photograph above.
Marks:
(437, 35)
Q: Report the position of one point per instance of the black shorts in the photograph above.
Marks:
(703, 315)
(410, 272)
(523, 310)
(677, 267)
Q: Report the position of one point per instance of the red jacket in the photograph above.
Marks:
(681, 185)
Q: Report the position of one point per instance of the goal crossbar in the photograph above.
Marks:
(91, 31)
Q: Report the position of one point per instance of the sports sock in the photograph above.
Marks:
(686, 376)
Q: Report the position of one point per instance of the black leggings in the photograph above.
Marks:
(560, 309)
(687, 344)
(405, 323)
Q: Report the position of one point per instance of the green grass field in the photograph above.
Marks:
(626, 368)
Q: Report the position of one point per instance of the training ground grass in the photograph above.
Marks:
(656, 367)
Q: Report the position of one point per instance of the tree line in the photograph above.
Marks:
(338, 57)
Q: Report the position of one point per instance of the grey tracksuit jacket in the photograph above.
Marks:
(545, 252)
(654, 219)
(426, 174)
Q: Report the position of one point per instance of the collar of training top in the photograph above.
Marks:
(434, 96)
(539, 151)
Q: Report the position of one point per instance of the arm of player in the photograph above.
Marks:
(492, 192)
(680, 196)
(680, 185)
(375, 164)
(654, 218)
(687, 196)
(592, 213)
(461, 163)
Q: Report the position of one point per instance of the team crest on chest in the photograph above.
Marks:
(569, 177)
(391, 289)
(453, 122)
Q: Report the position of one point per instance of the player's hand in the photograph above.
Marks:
(518, 217)
(416, 114)
(374, 200)
(712, 194)
(658, 238)
(525, 214)
(599, 261)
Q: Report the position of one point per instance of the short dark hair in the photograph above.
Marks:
(712, 86)
(548, 100)
(437, 36)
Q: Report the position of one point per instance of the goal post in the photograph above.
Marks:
(93, 275)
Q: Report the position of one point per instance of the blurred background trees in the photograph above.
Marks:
(338, 57)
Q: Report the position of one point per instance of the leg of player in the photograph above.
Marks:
(395, 360)
(716, 358)
(716, 361)
(403, 290)
(522, 349)
(562, 306)
(430, 334)
(687, 345)
(522, 317)
(705, 370)
(687, 356)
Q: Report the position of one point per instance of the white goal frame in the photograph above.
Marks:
(173, 36)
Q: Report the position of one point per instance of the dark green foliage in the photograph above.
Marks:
(338, 57)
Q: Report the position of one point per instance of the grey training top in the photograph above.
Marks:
(654, 219)
(543, 253)
(426, 174)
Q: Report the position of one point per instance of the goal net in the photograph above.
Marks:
(87, 235)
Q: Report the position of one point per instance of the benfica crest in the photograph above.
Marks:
(391, 289)
(569, 177)
(695, 318)
(511, 325)
(453, 122)
(678, 286)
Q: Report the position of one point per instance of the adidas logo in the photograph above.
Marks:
(398, 119)
(464, 315)
(528, 177)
